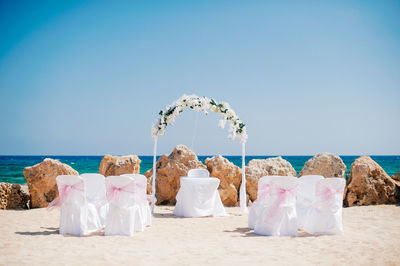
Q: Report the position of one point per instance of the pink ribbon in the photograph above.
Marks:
(64, 191)
(113, 192)
(329, 193)
(283, 194)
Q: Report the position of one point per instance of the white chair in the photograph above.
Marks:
(96, 194)
(325, 217)
(141, 200)
(262, 194)
(74, 210)
(278, 216)
(199, 197)
(198, 172)
(124, 216)
(305, 197)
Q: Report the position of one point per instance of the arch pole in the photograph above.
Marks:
(242, 193)
(153, 185)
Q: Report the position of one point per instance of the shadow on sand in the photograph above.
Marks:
(55, 231)
(46, 232)
(246, 232)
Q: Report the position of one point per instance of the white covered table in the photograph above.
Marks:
(199, 197)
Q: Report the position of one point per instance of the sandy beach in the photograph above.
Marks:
(372, 237)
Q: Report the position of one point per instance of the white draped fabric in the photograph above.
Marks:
(96, 194)
(278, 215)
(262, 195)
(77, 217)
(124, 217)
(198, 173)
(141, 197)
(325, 216)
(306, 197)
(199, 197)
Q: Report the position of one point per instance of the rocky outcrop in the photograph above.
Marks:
(258, 168)
(41, 179)
(12, 197)
(119, 165)
(229, 176)
(396, 176)
(370, 185)
(169, 170)
(325, 164)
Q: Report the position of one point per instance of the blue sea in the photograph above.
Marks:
(11, 167)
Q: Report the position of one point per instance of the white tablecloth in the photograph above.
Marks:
(198, 196)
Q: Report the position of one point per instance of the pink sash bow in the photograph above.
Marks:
(64, 191)
(114, 192)
(283, 194)
(329, 193)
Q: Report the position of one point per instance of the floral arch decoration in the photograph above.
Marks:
(237, 129)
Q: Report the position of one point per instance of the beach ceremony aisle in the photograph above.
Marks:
(371, 237)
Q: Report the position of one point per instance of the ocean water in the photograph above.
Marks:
(11, 167)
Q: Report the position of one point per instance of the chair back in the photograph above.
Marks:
(71, 190)
(264, 185)
(284, 190)
(198, 172)
(329, 193)
(95, 185)
(307, 185)
(121, 190)
(141, 184)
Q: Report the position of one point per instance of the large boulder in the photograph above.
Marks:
(12, 197)
(169, 170)
(119, 165)
(41, 179)
(325, 164)
(258, 168)
(229, 176)
(370, 185)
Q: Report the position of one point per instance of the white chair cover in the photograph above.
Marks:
(325, 217)
(198, 172)
(305, 197)
(278, 216)
(198, 197)
(262, 194)
(96, 195)
(75, 213)
(124, 216)
(141, 199)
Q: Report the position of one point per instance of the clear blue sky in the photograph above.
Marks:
(89, 77)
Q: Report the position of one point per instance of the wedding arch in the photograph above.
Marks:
(237, 129)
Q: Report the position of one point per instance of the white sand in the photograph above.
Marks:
(372, 237)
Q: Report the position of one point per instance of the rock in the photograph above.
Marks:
(41, 179)
(258, 168)
(325, 164)
(169, 170)
(229, 176)
(396, 176)
(12, 197)
(370, 185)
(119, 165)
